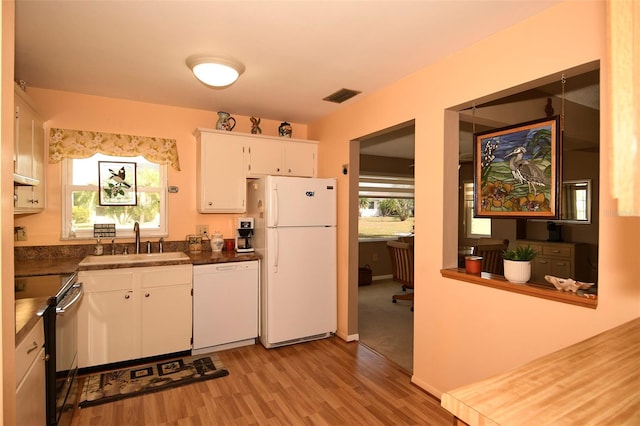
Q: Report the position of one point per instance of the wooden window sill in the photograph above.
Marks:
(529, 289)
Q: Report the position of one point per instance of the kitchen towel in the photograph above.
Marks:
(113, 385)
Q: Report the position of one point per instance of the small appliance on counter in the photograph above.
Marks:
(244, 233)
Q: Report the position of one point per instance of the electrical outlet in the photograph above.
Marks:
(202, 229)
(20, 233)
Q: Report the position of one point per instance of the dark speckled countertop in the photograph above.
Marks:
(28, 310)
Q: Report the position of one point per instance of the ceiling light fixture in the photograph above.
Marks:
(213, 71)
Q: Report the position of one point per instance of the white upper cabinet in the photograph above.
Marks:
(281, 157)
(220, 179)
(300, 159)
(226, 159)
(29, 156)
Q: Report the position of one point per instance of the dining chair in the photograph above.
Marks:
(402, 268)
(492, 256)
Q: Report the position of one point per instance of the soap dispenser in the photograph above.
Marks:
(98, 249)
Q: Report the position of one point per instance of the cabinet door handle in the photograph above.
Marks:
(543, 261)
(146, 295)
(33, 348)
(126, 296)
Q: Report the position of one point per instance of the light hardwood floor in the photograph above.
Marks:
(324, 382)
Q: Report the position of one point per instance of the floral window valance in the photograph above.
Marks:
(65, 143)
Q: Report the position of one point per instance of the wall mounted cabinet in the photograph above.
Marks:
(29, 156)
(226, 159)
(220, 179)
(280, 157)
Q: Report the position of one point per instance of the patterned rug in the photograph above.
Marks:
(113, 385)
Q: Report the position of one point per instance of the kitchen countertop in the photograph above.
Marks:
(27, 310)
(595, 381)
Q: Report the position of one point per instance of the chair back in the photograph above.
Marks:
(492, 256)
(401, 262)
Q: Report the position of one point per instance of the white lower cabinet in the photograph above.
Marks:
(31, 379)
(134, 313)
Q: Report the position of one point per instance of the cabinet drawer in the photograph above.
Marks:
(534, 246)
(556, 251)
(167, 275)
(106, 280)
(28, 349)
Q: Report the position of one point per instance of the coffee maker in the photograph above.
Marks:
(243, 235)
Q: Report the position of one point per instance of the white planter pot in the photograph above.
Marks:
(517, 271)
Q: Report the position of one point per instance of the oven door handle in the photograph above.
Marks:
(75, 295)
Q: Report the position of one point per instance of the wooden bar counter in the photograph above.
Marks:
(594, 382)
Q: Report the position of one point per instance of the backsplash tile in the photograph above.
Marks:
(81, 250)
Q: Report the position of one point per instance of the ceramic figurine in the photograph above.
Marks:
(285, 129)
(567, 284)
(225, 121)
(255, 126)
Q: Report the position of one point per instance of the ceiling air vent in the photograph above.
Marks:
(341, 95)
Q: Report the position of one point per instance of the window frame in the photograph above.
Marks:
(66, 204)
(468, 218)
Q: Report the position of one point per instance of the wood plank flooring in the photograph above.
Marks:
(323, 382)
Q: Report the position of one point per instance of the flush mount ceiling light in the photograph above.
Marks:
(213, 71)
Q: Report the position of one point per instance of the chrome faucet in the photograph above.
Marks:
(136, 230)
(161, 245)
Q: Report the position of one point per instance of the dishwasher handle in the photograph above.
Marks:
(227, 268)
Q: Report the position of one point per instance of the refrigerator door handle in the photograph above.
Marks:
(274, 206)
(276, 254)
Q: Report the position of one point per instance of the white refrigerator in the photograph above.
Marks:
(295, 233)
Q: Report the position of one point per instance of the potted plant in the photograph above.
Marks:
(517, 263)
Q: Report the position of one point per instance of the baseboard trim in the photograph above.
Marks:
(348, 337)
(382, 277)
(436, 393)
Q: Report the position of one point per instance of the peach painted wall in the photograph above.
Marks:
(7, 294)
(465, 332)
(82, 112)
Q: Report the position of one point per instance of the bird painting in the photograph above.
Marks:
(119, 177)
(524, 171)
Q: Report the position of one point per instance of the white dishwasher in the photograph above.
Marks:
(225, 305)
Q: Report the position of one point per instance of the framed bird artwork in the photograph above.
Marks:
(117, 183)
(518, 171)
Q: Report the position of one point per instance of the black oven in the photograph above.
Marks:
(61, 331)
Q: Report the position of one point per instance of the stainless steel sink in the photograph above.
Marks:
(133, 258)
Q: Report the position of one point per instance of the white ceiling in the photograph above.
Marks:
(295, 52)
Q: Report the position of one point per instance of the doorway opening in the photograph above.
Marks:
(386, 212)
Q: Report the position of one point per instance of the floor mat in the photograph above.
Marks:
(113, 385)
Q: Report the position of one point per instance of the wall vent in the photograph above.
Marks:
(341, 95)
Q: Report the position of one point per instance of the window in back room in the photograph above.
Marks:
(386, 183)
(386, 208)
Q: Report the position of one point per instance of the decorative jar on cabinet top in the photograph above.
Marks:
(285, 129)
(225, 121)
(217, 242)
